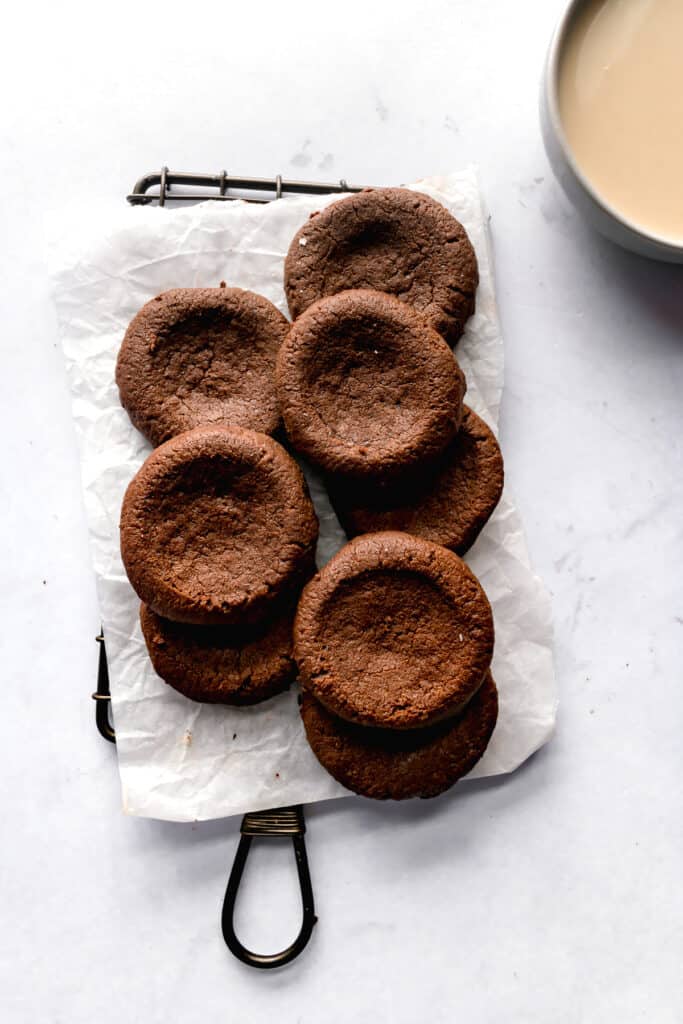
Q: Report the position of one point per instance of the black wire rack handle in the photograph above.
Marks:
(288, 821)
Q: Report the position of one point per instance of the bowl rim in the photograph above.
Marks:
(552, 80)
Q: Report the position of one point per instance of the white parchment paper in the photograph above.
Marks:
(184, 761)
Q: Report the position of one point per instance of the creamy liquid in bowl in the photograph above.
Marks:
(621, 107)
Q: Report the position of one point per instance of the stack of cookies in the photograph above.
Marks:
(380, 285)
(218, 531)
(393, 639)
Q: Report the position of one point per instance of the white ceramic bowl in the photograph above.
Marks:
(600, 213)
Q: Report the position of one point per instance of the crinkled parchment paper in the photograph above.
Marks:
(184, 761)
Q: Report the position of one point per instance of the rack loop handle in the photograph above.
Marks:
(286, 821)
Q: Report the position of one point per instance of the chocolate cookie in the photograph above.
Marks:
(216, 525)
(222, 664)
(449, 506)
(394, 632)
(366, 387)
(391, 240)
(195, 356)
(388, 764)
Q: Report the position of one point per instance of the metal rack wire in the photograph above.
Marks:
(165, 186)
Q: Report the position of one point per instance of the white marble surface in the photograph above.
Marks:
(550, 895)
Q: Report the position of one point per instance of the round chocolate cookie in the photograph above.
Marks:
(449, 506)
(366, 387)
(391, 240)
(195, 356)
(216, 525)
(222, 664)
(389, 764)
(394, 632)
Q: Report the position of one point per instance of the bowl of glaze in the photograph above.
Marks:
(612, 119)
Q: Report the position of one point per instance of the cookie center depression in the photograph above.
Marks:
(209, 358)
(363, 384)
(206, 531)
(391, 635)
(377, 255)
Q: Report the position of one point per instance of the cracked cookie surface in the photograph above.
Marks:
(394, 632)
(234, 665)
(390, 240)
(391, 764)
(199, 356)
(367, 387)
(216, 525)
